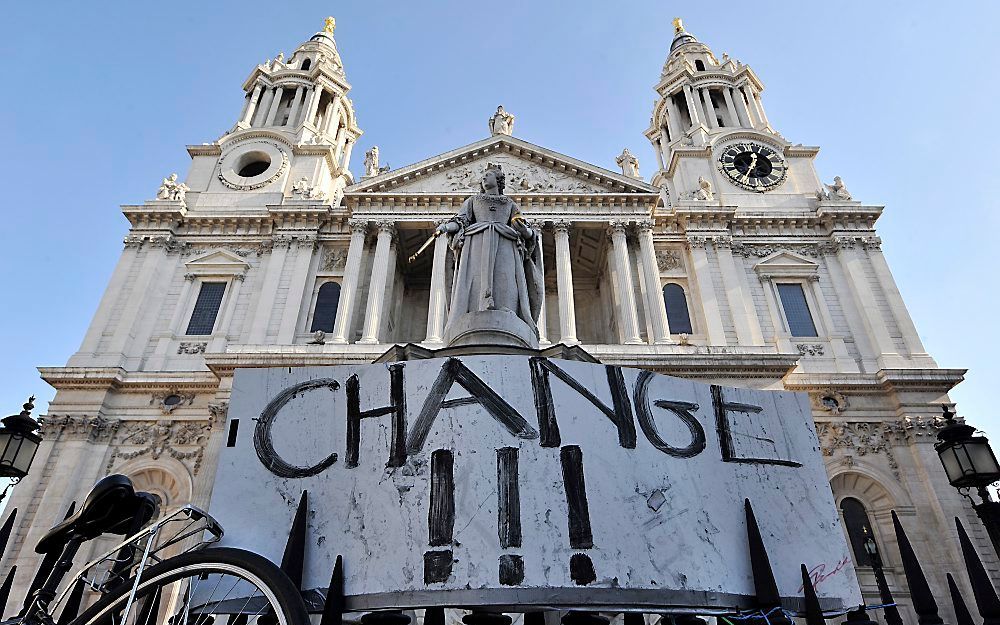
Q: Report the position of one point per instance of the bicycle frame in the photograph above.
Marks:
(121, 558)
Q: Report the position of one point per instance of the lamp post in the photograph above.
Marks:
(891, 613)
(970, 463)
(18, 444)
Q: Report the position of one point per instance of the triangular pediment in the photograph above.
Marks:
(787, 263)
(217, 262)
(528, 168)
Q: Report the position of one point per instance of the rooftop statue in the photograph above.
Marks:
(502, 122)
(497, 288)
(371, 162)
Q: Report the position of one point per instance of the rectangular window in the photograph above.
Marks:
(206, 309)
(793, 301)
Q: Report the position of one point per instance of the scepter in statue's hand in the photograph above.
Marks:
(426, 244)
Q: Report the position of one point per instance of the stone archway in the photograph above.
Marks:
(165, 477)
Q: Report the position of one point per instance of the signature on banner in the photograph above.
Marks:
(818, 573)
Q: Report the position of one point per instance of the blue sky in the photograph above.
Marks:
(101, 98)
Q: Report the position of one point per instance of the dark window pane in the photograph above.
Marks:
(677, 309)
(206, 309)
(793, 300)
(326, 307)
(858, 527)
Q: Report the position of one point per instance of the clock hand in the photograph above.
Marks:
(753, 164)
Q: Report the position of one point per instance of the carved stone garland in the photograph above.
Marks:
(863, 438)
(155, 438)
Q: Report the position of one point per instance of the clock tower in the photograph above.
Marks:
(713, 140)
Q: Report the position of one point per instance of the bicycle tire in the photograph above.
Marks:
(289, 608)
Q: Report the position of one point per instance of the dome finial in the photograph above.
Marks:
(678, 25)
(329, 24)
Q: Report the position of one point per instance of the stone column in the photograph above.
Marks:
(328, 115)
(730, 107)
(751, 106)
(741, 107)
(348, 147)
(564, 281)
(714, 330)
(349, 285)
(154, 261)
(111, 294)
(674, 118)
(661, 146)
(296, 105)
(275, 104)
(760, 108)
(268, 292)
(232, 297)
(296, 289)
(862, 341)
(376, 290)
(692, 107)
(251, 106)
(709, 108)
(628, 318)
(260, 115)
(315, 93)
(655, 308)
(740, 303)
(542, 321)
(437, 306)
(911, 338)
(853, 263)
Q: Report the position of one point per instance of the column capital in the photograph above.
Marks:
(644, 225)
(189, 277)
(387, 226)
(561, 226)
(358, 225)
(617, 226)
(697, 241)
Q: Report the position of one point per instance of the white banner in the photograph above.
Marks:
(512, 481)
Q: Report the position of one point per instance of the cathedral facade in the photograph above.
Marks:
(734, 264)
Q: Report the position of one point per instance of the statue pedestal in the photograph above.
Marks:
(490, 327)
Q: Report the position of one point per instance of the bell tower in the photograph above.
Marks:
(294, 135)
(712, 137)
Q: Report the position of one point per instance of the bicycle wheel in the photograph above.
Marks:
(220, 586)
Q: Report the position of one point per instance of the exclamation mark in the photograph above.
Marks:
(440, 517)
(581, 568)
(509, 516)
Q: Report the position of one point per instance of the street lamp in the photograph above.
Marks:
(18, 444)
(891, 613)
(970, 463)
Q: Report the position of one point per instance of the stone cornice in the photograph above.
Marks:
(917, 379)
(581, 203)
(120, 380)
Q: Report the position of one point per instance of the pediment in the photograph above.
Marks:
(217, 262)
(528, 168)
(787, 263)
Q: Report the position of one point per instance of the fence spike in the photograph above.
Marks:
(333, 607)
(765, 587)
(987, 601)
(5, 589)
(5, 530)
(295, 549)
(814, 613)
(920, 591)
(962, 615)
(72, 607)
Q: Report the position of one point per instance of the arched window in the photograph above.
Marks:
(699, 65)
(305, 64)
(859, 528)
(677, 309)
(326, 307)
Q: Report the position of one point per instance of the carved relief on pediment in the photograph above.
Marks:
(522, 177)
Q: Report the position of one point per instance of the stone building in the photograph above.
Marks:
(734, 264)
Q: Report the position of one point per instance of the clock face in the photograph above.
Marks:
(753, 166)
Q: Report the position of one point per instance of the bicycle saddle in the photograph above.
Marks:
(111, 507)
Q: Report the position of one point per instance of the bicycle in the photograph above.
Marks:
(141, 585)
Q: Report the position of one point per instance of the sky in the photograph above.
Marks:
(100, 100)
